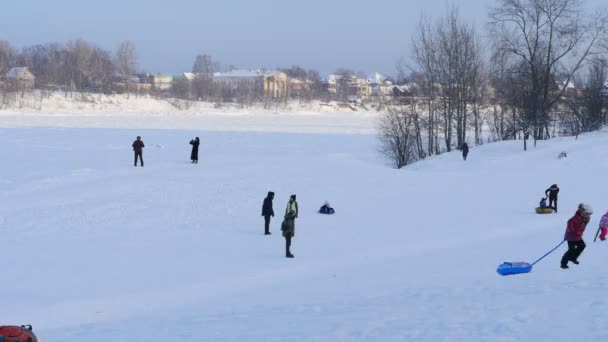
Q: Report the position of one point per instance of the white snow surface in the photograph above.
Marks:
(94, 249)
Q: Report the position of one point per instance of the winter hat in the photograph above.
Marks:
(293, 196)
(327, 203)
(586, 208)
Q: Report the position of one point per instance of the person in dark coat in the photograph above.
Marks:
(289, 226)
(194, 155)
(138, 148)
(574, 234)
(465, 151)
(267, 212)
(552, 194)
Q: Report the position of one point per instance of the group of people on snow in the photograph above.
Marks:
(288, 226)
(138, 149)
(576, 226)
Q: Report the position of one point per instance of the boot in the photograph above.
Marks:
(564, 266)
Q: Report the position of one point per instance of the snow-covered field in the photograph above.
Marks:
(96, 250)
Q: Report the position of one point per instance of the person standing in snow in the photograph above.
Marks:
(194, 155)
(552, 194)
(138, 148)
(574, 234)
(289, 226)
(267, 212)
(465, 151)
(604, 226)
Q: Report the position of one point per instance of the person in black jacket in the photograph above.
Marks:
(552, 194)
(465, 151)
(194, 155)
(138, 148)
(267, 212)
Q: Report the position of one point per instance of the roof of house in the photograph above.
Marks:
(16, 71)
(237, 73)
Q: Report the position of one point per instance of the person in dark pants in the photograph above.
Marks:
(465, 151)
(138, 148)
(288, 226)
(574, 234)
(267, 212)
(194, 155)
(552, 194)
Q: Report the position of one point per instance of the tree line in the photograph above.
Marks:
(541, 72)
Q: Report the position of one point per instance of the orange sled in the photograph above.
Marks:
(23, 333)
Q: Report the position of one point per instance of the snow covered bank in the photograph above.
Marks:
(120, 111)
(99, 250)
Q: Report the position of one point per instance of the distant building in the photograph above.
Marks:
(162, 82)
(20, 79)
(255, 83)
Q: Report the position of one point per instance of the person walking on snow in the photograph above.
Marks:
(465, 151)
(604, 226)
(138, 148)
(574, 234)
(552, 194)
(267, 212)
(194, 155)
(289, 226)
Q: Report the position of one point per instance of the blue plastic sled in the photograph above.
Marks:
(509, 268)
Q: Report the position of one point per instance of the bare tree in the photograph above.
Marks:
(126, 63)
(550, 40)
(400, 134)
(7, 57)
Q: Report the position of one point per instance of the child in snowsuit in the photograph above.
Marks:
(543, 203)
(326, 208)
(604, 226)
(574, 234)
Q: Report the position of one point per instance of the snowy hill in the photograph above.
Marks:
(97, 250)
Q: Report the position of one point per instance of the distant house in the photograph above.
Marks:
(275, 84)
(162, 82)
(255, 83)
(20, 79)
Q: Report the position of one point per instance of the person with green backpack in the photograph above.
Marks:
(289, 226)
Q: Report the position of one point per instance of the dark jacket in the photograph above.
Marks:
(138, 146)
(194, 154)
(465, 149)
(267, 206)
(552, 191)
(576, 227)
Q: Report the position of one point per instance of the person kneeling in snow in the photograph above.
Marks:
(574, 234)
(604, 226)
(326, 208)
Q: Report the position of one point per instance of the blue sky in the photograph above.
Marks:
(366, 35)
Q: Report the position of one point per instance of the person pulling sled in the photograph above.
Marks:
(574, 235)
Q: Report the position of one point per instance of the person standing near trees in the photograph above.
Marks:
(194, 154)
(138, 149)
(465, 150)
